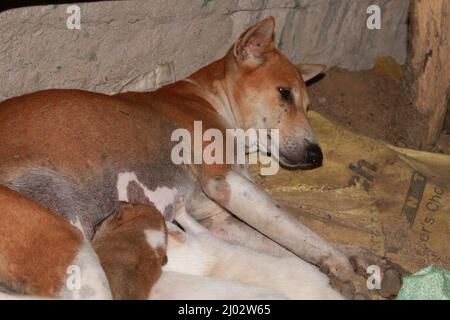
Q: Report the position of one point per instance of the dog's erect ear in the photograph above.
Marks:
(309, 71)
(254, 43)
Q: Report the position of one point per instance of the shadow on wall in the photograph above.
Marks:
(13, 4)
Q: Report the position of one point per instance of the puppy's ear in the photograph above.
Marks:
(310, 71)
(255, 43)
(112, 219)
(121, 207)
(104, 226)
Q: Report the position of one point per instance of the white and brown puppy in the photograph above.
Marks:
(44, 256)
(134, 245)
(131, 245)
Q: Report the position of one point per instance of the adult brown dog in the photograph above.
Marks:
(78, 152)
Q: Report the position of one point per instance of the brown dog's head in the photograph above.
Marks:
(269, 92)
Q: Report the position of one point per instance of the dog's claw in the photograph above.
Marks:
(361, 296)
(391, 283)
(346, 288)
(350, 290)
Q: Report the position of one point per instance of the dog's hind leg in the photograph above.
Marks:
(223, 225)
(232, 230)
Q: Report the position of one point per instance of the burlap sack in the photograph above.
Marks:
(393, 201)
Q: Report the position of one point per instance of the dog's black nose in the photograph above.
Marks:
(314, 155)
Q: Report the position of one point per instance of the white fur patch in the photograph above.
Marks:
(77, 224)
(86, 279)
(161, 197)
(155, 238)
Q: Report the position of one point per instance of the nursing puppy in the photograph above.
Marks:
(131, 245)
(134, 245)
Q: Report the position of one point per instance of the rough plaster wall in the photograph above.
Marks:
(138, 45)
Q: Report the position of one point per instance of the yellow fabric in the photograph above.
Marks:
(393, 201)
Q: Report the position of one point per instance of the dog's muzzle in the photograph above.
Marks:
(311, 157)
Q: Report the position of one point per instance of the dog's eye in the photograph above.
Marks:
(286, 94)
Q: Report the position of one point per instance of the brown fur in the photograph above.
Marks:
(36, 246)
(131, 265)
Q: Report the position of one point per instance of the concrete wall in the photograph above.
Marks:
(129, 45)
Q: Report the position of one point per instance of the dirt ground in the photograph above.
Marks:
(372, 103)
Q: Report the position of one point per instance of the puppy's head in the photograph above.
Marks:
(131, 221)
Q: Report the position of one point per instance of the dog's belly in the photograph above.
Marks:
(163, 195)
(86, 203)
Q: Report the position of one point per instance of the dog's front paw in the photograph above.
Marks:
(366, 263)
(343, 278)
(349, 270)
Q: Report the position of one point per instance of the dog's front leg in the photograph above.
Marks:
(249, 203)
(225, 226)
